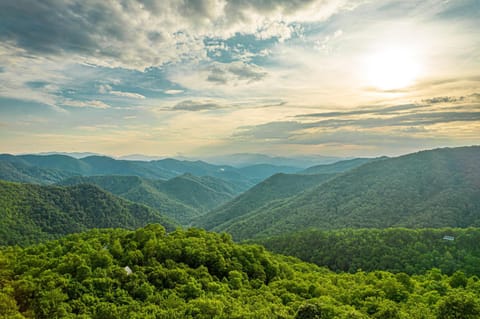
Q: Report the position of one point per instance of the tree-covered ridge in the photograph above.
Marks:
(30, 213)
(278, 186)
(239, 178)
(18, 171)
(339, 167)
(194, 274)
(437, 188)
(180, 198)
(201, 192)
(413, 251)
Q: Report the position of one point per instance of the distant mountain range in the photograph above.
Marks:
(54, 168)
(30, 213)
(437, 188)
(248, 159)
(236, 160)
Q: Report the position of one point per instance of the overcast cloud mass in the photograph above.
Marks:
(212, 77)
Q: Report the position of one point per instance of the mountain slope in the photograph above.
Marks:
(438, 188)
(16, 171)
(180, 198)
(29, 213)
(337, 167)
(203, 193)
(263, 171)
(278, 186)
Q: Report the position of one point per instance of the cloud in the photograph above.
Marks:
(474, 97)
(382, 110)
(396, 123)
(465, 103)
(142, 33)
(107, 89)
(189, 105)
(173, 92)
(86, 104)
(129, 95)
(225, 73)
(273, 130)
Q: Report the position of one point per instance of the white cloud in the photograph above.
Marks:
(86, 104)
(107, 89)
(173, 92)
(138, 34)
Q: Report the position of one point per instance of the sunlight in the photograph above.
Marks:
(391, 68)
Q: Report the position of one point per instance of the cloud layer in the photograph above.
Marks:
(144, 33)
(219, 76)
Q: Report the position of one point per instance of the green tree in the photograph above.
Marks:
(458, 304)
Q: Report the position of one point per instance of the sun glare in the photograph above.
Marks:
(391, 68)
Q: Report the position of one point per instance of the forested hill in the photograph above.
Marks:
(180, 198)
(437, 188)
(413, 251)
(20, 171)
(338, 167)
(109, 274)
(30, 213)
(278, 186)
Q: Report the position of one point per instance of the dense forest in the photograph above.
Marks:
(413, 251)
(437, 188)
(30, 213)
(148, 273)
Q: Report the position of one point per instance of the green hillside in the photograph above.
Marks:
(180, 198)
(338, 167)
(109, 274)
(278, 186)
(23, 172)
(413, 251)
(438, 188)
(203, 193)
(30, 213)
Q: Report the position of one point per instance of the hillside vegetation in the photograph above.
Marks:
(148, 274)
(413, 251)
(338, 167)
(278, 186)
(437, 188)
(19, 171)
(180, 198)
(30, 213)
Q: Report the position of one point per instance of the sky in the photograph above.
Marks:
(214, 77)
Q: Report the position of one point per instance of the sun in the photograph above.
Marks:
(391, 68)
